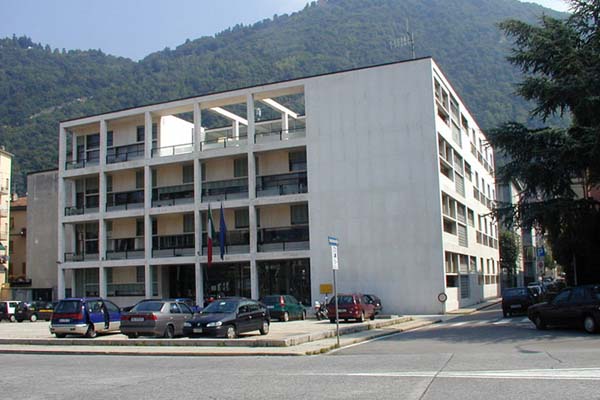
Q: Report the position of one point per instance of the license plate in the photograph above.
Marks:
(515, 306)
(341, 310)
(197, 330)
(137, 319)
(64, 320)
(270, 306)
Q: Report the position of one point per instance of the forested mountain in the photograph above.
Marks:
(40, 86)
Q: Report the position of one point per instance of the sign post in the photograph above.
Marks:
(333, 243)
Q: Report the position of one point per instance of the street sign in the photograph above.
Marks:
(333, 243)
(326, 288)
(541, 251)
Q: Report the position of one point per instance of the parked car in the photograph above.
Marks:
(376, 302)
(7, 310)
(284, 307)
(26, 311)
(516, 300)
(85, 316)
(228, 317)
(577, 307)
(44, 309)
(189, 302)
(351, 306)
(156, 318)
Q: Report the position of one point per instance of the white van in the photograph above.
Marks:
(7, 310)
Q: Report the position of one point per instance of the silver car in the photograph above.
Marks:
(161, 318)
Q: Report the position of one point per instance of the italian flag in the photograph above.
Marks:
(210, 234)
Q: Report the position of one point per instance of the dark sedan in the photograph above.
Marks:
(516, 300)
(576, 307)
(229, 317)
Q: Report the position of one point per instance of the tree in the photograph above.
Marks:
(509, 254)
(558, 167)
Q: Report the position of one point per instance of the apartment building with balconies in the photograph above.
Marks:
(5, 197)
(380, 157)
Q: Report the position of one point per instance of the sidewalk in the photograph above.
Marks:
(476, 307)
(285, 339)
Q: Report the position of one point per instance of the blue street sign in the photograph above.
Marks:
(333, 241)
(541, 252)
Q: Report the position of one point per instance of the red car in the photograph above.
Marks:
(352, 306)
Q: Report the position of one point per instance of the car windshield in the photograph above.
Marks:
(220, 306)
(514, 292)
(270, 300)
(68, 306)
(148, 306)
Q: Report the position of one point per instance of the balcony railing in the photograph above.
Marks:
(237, 242)
(125, 200)
(223, 138)
(225, 190)
(76, 257)
(125, 248)
(279, 135)
(125, 289)
(80, 210)
(173, 245)
(283, 239)
(173, 150)
(282, 184)
(124, 153)
(81, 163)
(173, 195)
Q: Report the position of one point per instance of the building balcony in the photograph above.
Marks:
(282, 184)
(225, 190)
(173, 245)
(283, 239)
(129, 200)
(125, 289)
(279, 135)
(79, 257)
(173, 150)
(173, 195)
(125, 248)
(222, 139)
(82, 162)
(124, 153)
(89, 208)
(237, 242)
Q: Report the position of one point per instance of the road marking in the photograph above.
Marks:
(592, 374)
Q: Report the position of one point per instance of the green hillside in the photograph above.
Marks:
(40, 86)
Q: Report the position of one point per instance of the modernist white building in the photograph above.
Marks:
(385, 158)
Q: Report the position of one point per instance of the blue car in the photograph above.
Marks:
(85, 316)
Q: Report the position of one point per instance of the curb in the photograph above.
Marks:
(120, 350)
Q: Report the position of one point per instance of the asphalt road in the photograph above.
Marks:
(481, 356)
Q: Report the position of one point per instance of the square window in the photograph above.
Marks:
(240, 168)
(140, 133)
(299, 214)
(188, 173)
(188, 223)
(242, 219)
(139, 179)
(297, 160)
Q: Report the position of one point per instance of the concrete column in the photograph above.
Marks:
(252, 195)
(147, 280)
(147, 135)
(102, 281)
(198, 137)
(199, 283)
(61, 283)
(62, 155)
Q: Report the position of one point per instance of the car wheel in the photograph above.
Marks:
(132, 335)
(372, 317)
(303, 316)
(19, 320)
(332, 320)
(589, 324)
(362, 317)
(169, 332)
(539, 322)
(60, 335)
(264, 329)
(33, 318)
(91, 332)
(285, 317)
(231, 332)
(12, 318)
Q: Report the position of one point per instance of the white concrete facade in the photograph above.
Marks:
(368, 155)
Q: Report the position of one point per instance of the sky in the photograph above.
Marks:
(136, 28)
